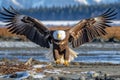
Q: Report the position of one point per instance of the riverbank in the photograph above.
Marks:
(37, 70)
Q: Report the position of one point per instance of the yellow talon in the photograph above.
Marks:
(58, 61)
(66, 63)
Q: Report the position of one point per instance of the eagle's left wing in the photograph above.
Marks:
(88, 29)
(25, 25)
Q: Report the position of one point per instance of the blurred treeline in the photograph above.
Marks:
(75, 12)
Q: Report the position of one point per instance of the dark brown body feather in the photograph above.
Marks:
(61, 48)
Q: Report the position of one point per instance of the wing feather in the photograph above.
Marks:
(32, 28)
(88, 29)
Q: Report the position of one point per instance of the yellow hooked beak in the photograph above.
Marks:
(59, 36)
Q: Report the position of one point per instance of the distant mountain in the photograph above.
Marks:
(50, 3)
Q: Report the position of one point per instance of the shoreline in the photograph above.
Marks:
(34, 69)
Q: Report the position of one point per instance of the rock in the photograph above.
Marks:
(75, 63)
(13, 75)
(55, 78)
(29, 62)
(62, 77)
(31, 78)
(2, 63)
(82, 78)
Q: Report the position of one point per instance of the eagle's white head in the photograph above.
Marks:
(59, 35)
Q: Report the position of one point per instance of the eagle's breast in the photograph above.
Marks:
(60, 39)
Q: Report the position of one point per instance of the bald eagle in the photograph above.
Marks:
(82, 32)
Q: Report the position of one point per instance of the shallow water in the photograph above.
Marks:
(91, 52)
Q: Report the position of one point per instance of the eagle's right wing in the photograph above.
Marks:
(32, 28)
(88, 29)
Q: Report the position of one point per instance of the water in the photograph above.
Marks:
(90, 52)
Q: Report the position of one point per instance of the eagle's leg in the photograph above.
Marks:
(56, 56)
(66, 57)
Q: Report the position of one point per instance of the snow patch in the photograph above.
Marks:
(98, 1)
(55, 71)
(39, 75)
(17, 3)
(39, 66)
(83, 2)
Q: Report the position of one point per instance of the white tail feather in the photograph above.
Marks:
(72, 55)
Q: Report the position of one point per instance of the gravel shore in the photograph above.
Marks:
(36, 70)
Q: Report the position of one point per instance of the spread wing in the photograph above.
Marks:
(88, 29)
(32, 28)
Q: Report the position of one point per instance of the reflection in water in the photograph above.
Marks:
(92, 52)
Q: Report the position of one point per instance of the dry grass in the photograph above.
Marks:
(113, 32)
(5, 33)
